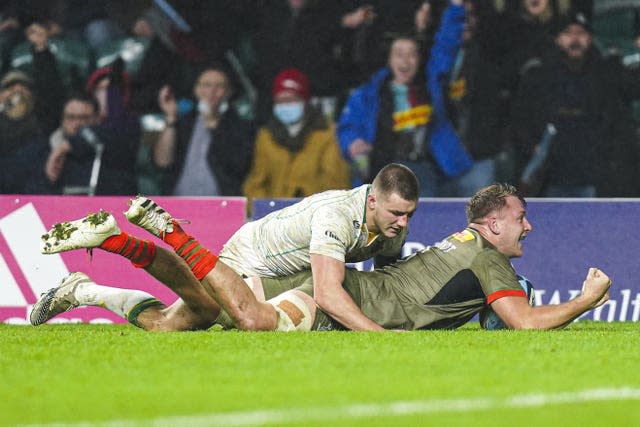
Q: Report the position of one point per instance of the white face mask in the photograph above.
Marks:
(289, 113)
(204, 108)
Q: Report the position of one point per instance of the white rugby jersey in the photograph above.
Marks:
(331, 223)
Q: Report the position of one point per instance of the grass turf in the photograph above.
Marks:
(100, 373)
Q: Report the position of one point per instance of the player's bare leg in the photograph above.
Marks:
(222, 283)
(196, 310)
(238, 300)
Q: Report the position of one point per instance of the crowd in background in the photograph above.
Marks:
(285, 98)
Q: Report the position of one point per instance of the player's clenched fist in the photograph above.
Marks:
(596, 287)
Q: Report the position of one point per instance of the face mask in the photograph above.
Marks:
(289, 113)
(204, 108)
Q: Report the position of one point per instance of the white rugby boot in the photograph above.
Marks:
(57, 300)
(88, 232)
(147, 214)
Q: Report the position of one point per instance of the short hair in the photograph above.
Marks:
(399, 179)
(489, 199)
(219, 67)
(84, 97)
(392, 38)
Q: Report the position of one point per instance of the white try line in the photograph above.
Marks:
(372, 410)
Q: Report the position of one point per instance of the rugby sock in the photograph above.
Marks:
(140, 252)
(199, 259)
(126, 303)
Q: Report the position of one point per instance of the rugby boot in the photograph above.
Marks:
(57, 300)
(88, 232)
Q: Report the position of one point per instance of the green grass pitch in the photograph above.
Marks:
(117, 375)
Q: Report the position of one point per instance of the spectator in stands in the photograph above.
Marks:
(388, 119)
(22, 141)
(47, 81)
(296, 152)
(464, 79)
(206, 152)
(621, 176)
(385, 20)
(570, 90)
(161, 64)
(97, 119)
(79, 111)
(526, 35)
(310, 35)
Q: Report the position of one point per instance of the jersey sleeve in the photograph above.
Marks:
(332, 233)
(497, 277)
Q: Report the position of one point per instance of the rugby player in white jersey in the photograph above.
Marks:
(320, 233)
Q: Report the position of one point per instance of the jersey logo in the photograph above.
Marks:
(356, 224)
(463, 236)
(333, 236)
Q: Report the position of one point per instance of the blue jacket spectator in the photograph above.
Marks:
(362, 120)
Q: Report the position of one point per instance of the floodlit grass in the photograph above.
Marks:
(119, 375)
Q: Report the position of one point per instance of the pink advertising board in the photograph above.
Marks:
(25, 273)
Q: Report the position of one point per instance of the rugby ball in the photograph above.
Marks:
(490, 320)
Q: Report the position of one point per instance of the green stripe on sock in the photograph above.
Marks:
(132, 316)
(197, 259)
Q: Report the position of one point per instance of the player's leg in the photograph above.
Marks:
(138, 307)
(194, 310)
(78, 290)
(220, 281)
(292, 299)
(100, 230)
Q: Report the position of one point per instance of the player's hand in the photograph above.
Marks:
(596, 287)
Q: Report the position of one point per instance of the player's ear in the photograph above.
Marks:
(493, 224)
(371, 201)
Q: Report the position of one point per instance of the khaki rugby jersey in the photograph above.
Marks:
(442, 286)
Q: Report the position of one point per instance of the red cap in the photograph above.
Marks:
(104, 72)
(292, 80)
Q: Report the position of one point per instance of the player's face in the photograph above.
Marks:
(513, 227)
(391, 214)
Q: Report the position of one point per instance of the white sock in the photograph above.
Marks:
(119, 301)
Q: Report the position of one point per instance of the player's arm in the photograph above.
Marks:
(328, 275)
(516, 313)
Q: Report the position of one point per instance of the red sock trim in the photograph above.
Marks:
(204, 265)
(188, 248)
(141, 253)
(145, 256)
(177, 238)
(115, 243)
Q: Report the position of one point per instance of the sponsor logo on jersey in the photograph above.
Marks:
(445, 245)
(463, 236)
(329, 233)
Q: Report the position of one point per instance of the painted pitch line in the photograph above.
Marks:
(372, 410)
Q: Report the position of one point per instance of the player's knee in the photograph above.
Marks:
(295, 311)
